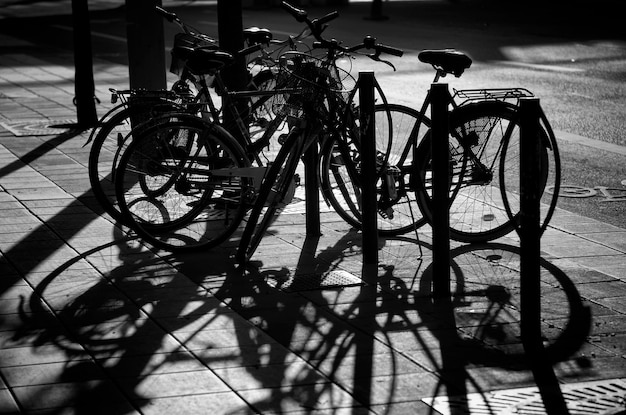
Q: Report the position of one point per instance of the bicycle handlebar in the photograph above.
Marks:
(317, 26)
(169, 16)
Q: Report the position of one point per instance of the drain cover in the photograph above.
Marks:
(310, 282)
(36, 127)
(605, 397)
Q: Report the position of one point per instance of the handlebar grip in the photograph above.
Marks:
(299, 14)
(168, 15)
(330, 16)
(389, 50)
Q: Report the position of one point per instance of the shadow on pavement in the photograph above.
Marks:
(308, 347)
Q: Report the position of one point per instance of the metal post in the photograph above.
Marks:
(368, 170)
(364, 369)
(84, 86)
(530, 234)
(230, 34)
(440, 192)
(146, 45)
(311, 191)
(376, 11)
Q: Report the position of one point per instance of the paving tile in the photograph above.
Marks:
(615, 240)
(84, 396)
(317, 397)
(30, 355)
(164, 385)
(7, 402)
(50, 373)
(150, 364)
(576, 248)
(217, 403)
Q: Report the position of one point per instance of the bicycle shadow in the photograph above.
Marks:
(454, 343)
(484, 311)
(124, 334)
(306, 347)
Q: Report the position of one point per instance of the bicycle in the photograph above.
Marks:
(190, 92)
(484, 161)
(317, 121)
(208, 191)
(172, 218)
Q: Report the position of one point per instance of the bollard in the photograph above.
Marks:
(146, 45)
(311, 190)
(364, 348)
(84, 85)
(530, 271)
(368, 172)
(376, 11)
(530, 232)
(440, 192)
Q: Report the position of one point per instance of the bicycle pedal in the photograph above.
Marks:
(386, 213)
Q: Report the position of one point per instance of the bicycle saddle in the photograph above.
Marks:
(255, 35)
(203, 61)
(446, 60)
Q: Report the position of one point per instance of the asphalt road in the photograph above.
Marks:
(572, 55)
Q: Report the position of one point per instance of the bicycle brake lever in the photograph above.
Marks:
(376, 57)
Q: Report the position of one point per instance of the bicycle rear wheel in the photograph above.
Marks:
(396, 135)
(484, 169)
(275, 193)
(180, 185)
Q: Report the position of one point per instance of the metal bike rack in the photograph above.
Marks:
(311, 191)
(83, 65)
(530, 234)
(368, 176)
(441, 205)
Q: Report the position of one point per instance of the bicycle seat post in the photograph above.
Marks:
(438, 75)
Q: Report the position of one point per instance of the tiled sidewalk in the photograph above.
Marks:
(94, 322)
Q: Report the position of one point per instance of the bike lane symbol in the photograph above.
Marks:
(608, 194)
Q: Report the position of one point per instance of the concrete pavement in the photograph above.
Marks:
(92, 321)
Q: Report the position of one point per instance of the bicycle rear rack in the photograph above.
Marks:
(490, 94)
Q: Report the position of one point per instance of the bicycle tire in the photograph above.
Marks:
(482, 182)
(107, 142)
(549, 143)
(340, 181)
(276, 185)
(204, 196)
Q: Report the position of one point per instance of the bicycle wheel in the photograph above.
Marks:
(275, 193)
(396, 135)
(109, 140)
(551, 171)
(484, 172)
(180, 186)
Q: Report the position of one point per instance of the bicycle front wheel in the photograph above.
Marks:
(484, 169)
(112, 138)
(397, 132)
(276, 192)
(180, 185)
